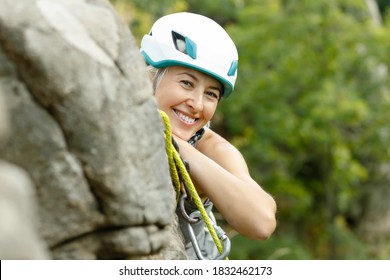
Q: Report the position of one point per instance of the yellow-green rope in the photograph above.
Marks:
(175, 163)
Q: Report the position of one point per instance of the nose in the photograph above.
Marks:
(195, 101)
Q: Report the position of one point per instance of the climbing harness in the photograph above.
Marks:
(185, 190)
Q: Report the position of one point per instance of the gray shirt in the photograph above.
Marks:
(203, 237)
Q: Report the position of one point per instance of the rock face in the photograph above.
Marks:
(83, 125)
(19, 236)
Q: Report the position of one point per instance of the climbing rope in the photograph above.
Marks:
(181, 178)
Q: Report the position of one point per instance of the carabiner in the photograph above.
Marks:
(183, 212)
(221, 235)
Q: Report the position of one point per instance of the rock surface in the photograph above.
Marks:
(83, 125)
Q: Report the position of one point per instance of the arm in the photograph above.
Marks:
(219, 172)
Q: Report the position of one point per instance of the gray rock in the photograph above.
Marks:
(19, 235)
(84, 125)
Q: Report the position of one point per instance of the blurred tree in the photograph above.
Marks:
(310, 107)
(140, 14)
(383, 6)
(222, 11)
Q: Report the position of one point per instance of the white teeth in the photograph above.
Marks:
(185, 118)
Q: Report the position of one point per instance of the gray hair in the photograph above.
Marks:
(156, 75)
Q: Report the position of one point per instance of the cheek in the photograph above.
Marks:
(161, 99)
(158, 100)
(209, 110)
(161, 93)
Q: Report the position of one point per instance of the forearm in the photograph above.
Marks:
(241, 201)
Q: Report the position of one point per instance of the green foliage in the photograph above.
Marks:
(141, 14)
(383, 6)
(276, 248)
(222, 11)
(306, 110)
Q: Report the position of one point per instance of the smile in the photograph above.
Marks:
(184, 118)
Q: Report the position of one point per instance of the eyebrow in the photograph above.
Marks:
(195, 78)
(189, 74)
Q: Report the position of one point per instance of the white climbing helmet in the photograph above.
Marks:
(194, 41)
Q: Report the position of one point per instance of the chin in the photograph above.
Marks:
(183, 135)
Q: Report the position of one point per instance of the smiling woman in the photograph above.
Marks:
(189, 98)
(195, 65)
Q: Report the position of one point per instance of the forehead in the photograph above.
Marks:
(182, 70)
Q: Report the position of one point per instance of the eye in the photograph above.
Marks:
(212, 94)
(186, 83)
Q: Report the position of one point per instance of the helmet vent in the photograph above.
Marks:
(184, 44)
(179, 42)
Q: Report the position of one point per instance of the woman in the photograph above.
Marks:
(195, 64)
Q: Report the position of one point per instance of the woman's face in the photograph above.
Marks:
(189, 98)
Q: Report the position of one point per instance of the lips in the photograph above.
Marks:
(186, 119)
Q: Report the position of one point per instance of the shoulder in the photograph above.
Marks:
(211, 141)
(220, 150)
